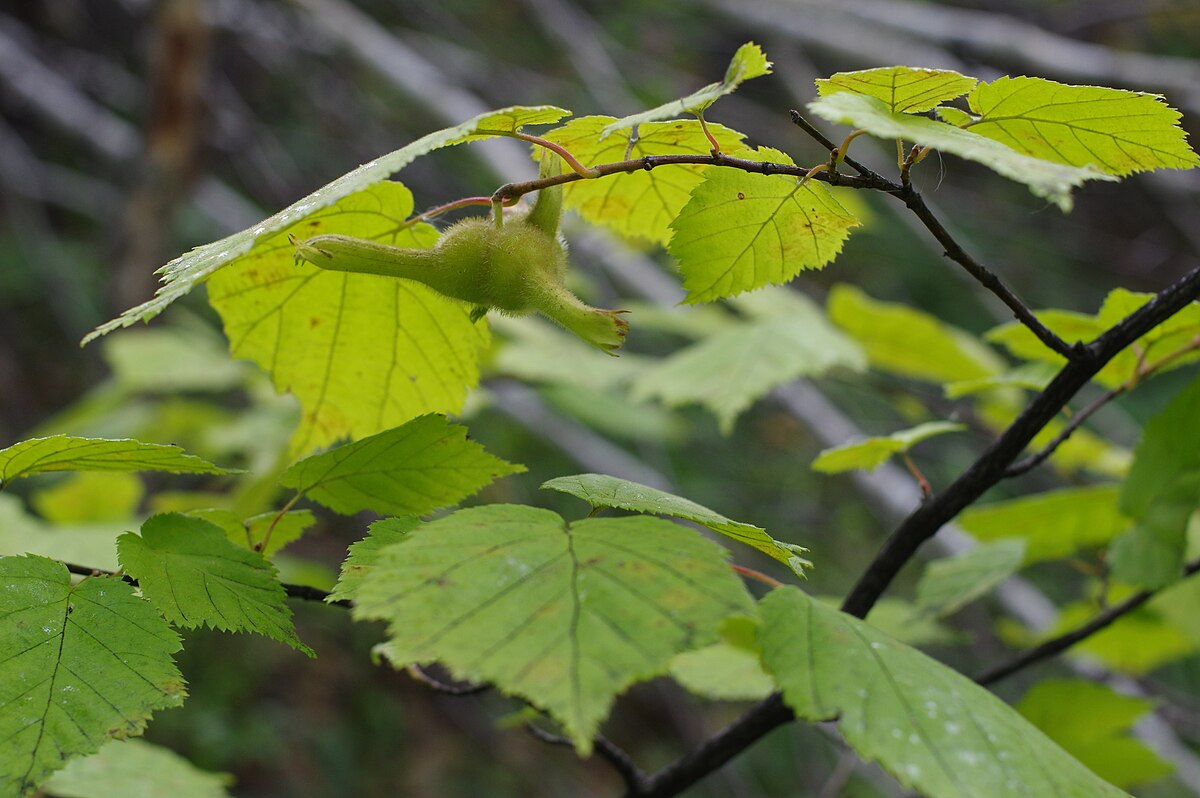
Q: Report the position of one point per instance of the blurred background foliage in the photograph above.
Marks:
(132, 130)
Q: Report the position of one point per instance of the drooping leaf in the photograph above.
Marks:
(1047, 179)
(1093, 723)
(413, 469)
(361, 352)
(1115, 131)
(82, 664)
(89, 497)
(932, 728)
(728, 670)
(600, 490)
(195, 576)
(748, 62)
(136, 769)
(187, 271)
(249, 533)
(365, 553)
(565, 616)
(1054, 524)
(902, 89)
(908, 342)
(743, 361)
(639, 205)
(951, 583)
(70, 453)
(740, 231)
(1160, 493)
(871, 453)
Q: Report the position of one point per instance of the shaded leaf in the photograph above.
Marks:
(1027, 376)
(740, 231)
(641, 204)
(600, 490)
(564, 616)
(748, 62)
(902, 89)
(189, 570)
(1134, 644)
(951, 583)
(89, 497)
(188, 270)
(82, 664)
(136, 769)
(92, 543)
(535, 351)
(361, 352)
(932, 728)
(365, 553)
(728, 670)
(69, 453)
(1115, 131)
(250, 532)
(873, 452)
(414, 469)
(1047, 179)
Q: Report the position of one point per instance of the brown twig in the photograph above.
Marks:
(617, 757)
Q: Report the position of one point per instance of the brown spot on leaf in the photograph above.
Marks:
(741, 195)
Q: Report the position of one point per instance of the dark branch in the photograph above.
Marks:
(1061, 643)
(802, 123)
(457, 690)
(617, 757)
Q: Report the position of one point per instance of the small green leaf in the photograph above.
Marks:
(869, 454)
(365, 553)
(1093, 723)
(250, 532)
(1115, 131)
(902, 89)
(89, 497)
(189, 570)
(1054, 524)
(136, 769)
(189, 270)
(743, 361)
(69, 453)
(728, 670)
(414, 469)
(1027, 376)
(951, 583)
(535, 351)
(565, 616)
(748, 62)
(740, 231)
(903, 340)
(600, 490)
(932, 728)
(639, 205)
(953, 116)
(1047, 179)
(83, 664)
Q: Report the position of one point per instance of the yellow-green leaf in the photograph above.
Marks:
(70, 453)
(869, 454)
(902, 89)
(136, 769)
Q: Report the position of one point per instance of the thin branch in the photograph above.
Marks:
(458, 690)
(615, 756)
(802, 123)
(1059, 644)
(1036, 459)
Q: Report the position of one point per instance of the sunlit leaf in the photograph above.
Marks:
(871, 453)
(189, 270)
(600, 490)
(1115, 131)
(361, 352)
(136, 769)
(932, 728)
(951, 583)
(69, 453)
(1047, 179)
(195, 576)
(565, 616)
(83, 664)
(902, 89)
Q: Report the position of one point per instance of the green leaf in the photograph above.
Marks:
(1054, 524)
(951, 583)
(743, 361)
(639, 205)
(869, 454)
(740, 231)
(1135, 644)
(600, 490)
(189, 570)
(187, 271)
(136, 769)
(89, 497)
(250, 533)
(1093, 723)
(535, 351)
(169, 360)
(565, 616)
(361, 352)
(1047, 179)
(728, 670)
(22, 533)
(748, 62)
(69, 453)
(1117, 132)
(902, 89)
(932, 728)
(82, 664)
(411, 470)
(1027, 376)
(365, 553)
(905, 622)
(902, 340)
(1161, 492)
